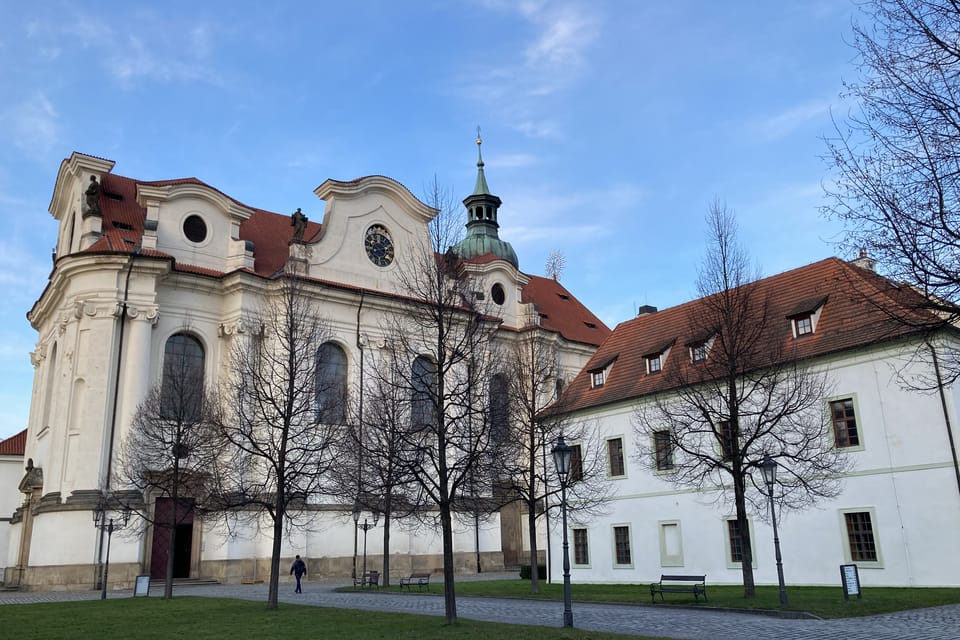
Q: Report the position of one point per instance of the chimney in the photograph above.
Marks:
(646, 310)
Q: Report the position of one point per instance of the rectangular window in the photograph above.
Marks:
(663, 450)
(596, 379)
(576, 463)
(735, 541)
(621, 543)
(727, 444)
(698, 352)
(804, 325)
(581, 548)
(863, 545)
(654, 363)
(615, 456)
(844, 423)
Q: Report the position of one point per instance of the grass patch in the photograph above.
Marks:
(826, 602)
(203, 618)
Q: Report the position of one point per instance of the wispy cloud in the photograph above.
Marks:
(32, 125)
(784, 123)
(161, 49)
(520, 89)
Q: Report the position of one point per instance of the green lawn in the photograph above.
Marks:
(825, 602)
(203, 618)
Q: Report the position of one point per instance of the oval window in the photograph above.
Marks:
(195, 228)
(497, 293)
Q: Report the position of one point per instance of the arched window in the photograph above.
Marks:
(423, 375)
(181, 391)
(331, 384)
(499, 404)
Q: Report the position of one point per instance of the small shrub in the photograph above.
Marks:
(525, 571)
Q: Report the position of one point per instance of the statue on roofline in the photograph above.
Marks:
(93, 197)
(299, 223)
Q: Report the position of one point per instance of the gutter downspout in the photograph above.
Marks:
(360, 434)
(946, 414)
(116, 401)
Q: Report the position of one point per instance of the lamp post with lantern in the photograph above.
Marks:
(105, 520)
(366, 525)
(768, 467)
(561, 459)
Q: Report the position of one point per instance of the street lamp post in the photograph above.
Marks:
(104, 520)
(561, 458)
(768, 467)
(366, 526)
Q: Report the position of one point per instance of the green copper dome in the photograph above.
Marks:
(482, 235)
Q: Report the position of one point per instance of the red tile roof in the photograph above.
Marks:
(123, 220)
(15, 445)
(855, 313)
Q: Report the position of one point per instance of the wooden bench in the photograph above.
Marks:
(368, 579)
(679, 584)
(420, 579)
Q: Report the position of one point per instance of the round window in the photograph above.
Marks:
(497, 293)
(195, 228)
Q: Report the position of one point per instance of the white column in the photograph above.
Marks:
(135, 366)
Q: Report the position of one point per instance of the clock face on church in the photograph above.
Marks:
(378, 245)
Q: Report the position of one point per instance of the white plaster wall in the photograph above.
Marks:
(903, 472)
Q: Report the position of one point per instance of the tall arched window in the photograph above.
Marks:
(331, 384)
(423, 375)
(181, 391)
(499, 405)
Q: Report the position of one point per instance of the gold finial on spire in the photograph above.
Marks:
(479, 141)
(479, 153)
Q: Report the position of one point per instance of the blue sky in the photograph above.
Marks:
(609, 126)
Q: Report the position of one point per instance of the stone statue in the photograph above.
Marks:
(299, 223)
(93, 196)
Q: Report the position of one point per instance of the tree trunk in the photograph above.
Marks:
(532, 527)
(171, 549)
(449, 594)
(274, 589)
(743, 525)
(385, 570)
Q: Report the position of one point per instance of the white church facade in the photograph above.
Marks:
(897, 514)
(141, 265)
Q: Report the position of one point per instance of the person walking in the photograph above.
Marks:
(298, 569)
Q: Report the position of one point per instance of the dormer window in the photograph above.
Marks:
(656, 357)
(596, 379)
(598, 373)
(804, 317)
(654, 363)
(698, 352)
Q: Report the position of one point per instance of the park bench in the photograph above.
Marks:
(679, 584)
(420, 579)
(368, 579)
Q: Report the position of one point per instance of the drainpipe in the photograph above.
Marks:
(359, 434)
(116, 396)
(946, 414)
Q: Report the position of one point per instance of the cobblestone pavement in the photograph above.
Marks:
(937, 623)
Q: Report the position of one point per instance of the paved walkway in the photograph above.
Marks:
(938, 623)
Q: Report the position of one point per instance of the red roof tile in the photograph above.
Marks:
(15, 445)
(855, 313)
(561, 312)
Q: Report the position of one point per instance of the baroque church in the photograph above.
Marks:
(143, 269)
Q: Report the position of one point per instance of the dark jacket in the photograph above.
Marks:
(299, 567)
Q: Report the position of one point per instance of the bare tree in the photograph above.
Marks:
(376, 461)
(282, 445)
(172, 449)
(897, 157)
(443, 342)
(532, 424)
(744, 396)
